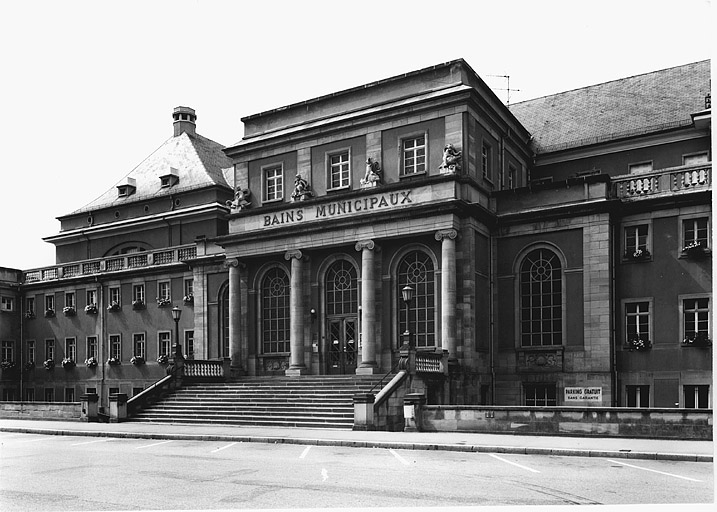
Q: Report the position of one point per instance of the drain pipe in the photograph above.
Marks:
(491, 322)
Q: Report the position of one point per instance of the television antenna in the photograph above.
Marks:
(507, 87)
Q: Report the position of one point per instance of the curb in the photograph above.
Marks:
(562, 452)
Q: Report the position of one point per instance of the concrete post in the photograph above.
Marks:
(363, 411)
(412, 404)
(118, 407)
(89, 407)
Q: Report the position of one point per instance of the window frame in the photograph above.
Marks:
(189, 344)
(638, 165)
(91, 347)
(115, 295)
(706, 154)
(31, 351)
(115, 346)
(7, 303)
(695, 394)
(683, 220)
(49, 349)
(161, 295)
(50, 302)
(71, 348)
(91, 296)
(546, 387)
(628, 254)
(278, 178)
(189, 287)
(30, 306)
(282, 316)
(7, 350)
(70, 301)
(486, 160)
(330, 167)
(139, 293)
(681, 308)
(624, 303)
(160, 340)
(402, 157)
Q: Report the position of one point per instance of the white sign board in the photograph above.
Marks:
(575, 394)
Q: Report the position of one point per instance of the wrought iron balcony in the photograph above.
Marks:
(675, 180)
(166, 256)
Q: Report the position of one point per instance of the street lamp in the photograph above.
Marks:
(407, 293)
(176, 315)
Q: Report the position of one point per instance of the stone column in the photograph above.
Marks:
(234, 313)
(368, 364)
(448, 290)
(296, 310)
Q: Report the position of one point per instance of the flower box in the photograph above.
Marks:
(49, 313)
(69, 311)
(163, 359)
(137, 304)
(163, 302)
(637, 343)
(137, 360)
(113, 361)
(7, 365)
(29, 315)
(49, 364)
(29, 365)
(114, 306)
(694, 250)
(91, 309)
(188, 299)
(68, 363)
(699, 339)
(640, 255)
(91, 362)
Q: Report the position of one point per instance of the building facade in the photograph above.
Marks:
(557, 250)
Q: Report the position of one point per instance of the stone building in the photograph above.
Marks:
(558, 250)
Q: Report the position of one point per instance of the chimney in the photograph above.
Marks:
(185, 120)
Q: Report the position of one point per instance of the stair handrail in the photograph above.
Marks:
(380, 382)
(139, 400)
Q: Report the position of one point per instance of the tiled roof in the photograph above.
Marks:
(636, 105)
(200, 163)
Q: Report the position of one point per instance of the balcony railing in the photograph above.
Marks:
(664, 181)
(112, 264)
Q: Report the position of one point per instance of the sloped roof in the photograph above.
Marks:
(631, 106)
(200, 163)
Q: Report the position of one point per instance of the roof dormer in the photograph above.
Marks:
(170, 179)
(127, 188)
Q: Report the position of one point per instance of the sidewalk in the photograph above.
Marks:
(662, 449)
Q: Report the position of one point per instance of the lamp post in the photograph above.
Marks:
(176, 315)
(407, 294)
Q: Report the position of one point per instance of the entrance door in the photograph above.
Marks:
(342, 345)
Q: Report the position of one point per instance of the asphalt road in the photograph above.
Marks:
(44, 472)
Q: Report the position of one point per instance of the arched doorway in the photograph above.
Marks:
(341, 299)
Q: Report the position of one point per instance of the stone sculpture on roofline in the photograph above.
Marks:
(373, 174)
(302, 189)
(451, 160)
(242, 199)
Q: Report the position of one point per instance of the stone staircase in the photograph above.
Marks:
(310, 401)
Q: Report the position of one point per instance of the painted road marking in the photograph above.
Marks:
(150, 445)
(91, 442)
(223, 448)
(513, 463)
(37, 439)
(653, 470)
(395, 454)
(305, 452)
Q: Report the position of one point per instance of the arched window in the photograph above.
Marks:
(541, 299)
(341, 289)
(416, 270)
(224, 321)
(275, 312)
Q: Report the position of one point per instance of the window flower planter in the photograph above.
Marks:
(29, 365)
(49, 364)
(699, 339)
(694, 250)
(7, 365)
(113, 361)
(137, 304)
(49, 313)
(640, 255)
(163, 302)
(639, 344)
(188, 299)
(69, 311)
(29, 315)
(114, 306)
(91, 309)
(163, 359)
(68, 363)
(91, 362)
(137, 360)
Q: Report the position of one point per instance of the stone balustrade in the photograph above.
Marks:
(663, 181)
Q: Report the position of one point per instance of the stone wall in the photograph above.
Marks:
(583, 421)
(65, 411)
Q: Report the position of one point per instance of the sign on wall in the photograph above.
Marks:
(576, 394)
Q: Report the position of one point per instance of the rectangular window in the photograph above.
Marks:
(7, 351)
(188, 288)
(637, 324)
(695, 232)
(638, 396)
(140, 346)
(91, 297)
(165, 343)
(112, 391)
(164, 291)
(31, 351)
(273, 183)
(339, 170)
(512, 176)
(50, 349)
(697, 397)
(69, 394)
(695, 316)
(70, 299)
(639, 167)
(91, 391)
(116, 346)
(138, 294)
(30, 394)
(7, 303)
(486, 161)
(636, 241)
(71, 349)
(413, 152)
(115, 295)
(92, 347)
(30, 306)
(49, 394)
(696, 159)
(189, 344)
(137, 391)
(538, 395)
(50, 303)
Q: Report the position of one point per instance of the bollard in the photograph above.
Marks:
(363, 411)
(118, 407)
(412, 403)
(89, 407)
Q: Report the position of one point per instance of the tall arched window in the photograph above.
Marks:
(541, 299)
(275, 315)
(341, 289)
(416, 270)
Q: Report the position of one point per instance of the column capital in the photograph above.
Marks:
(446, 233)
(233, 262)
(366, 244)
(294, 253)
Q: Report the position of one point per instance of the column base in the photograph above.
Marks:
(369, 369)
(296, 371)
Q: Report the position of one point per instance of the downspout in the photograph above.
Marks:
(21, 299)
(613, 316)
(491, 324)
(103, 336)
